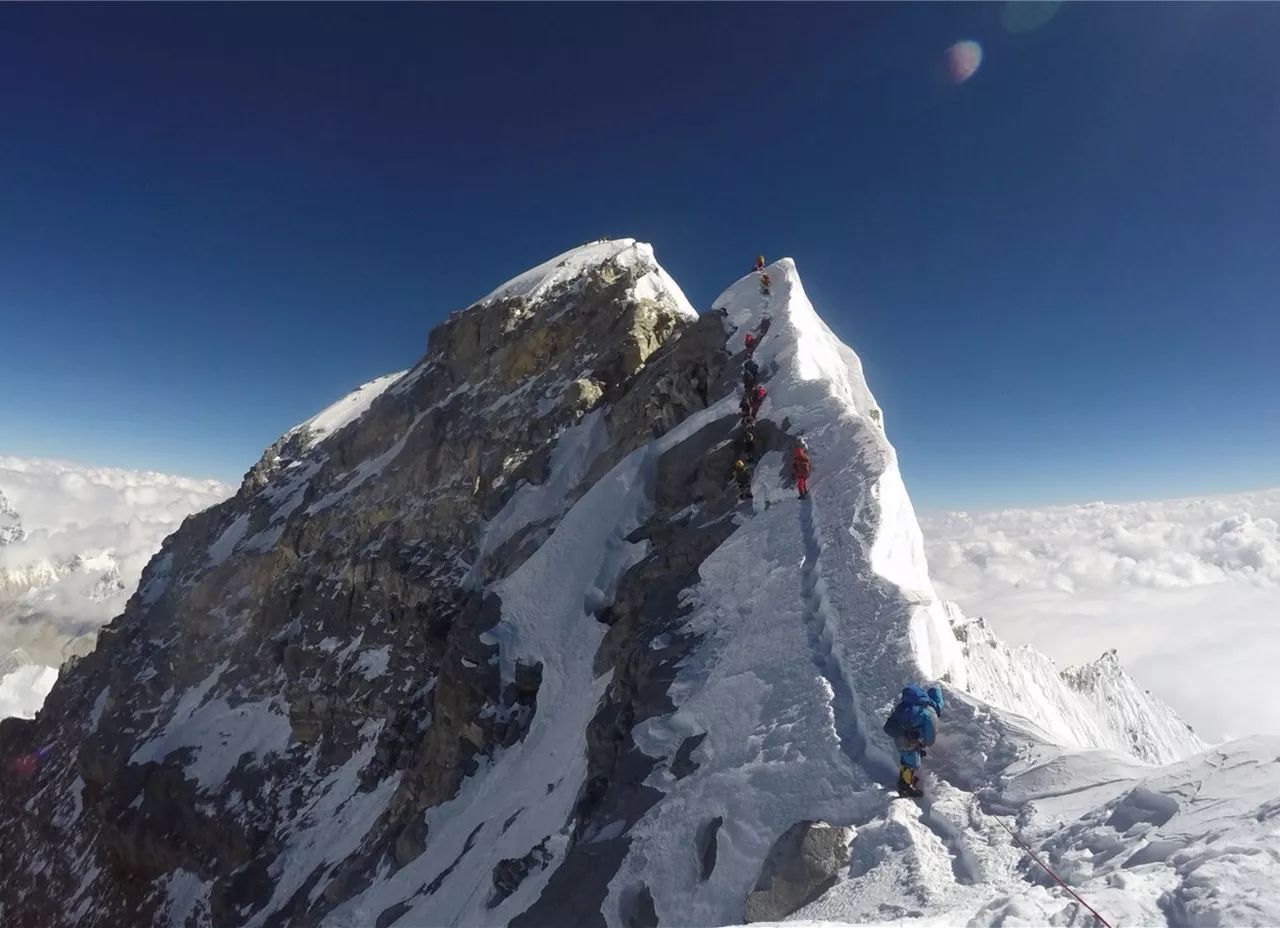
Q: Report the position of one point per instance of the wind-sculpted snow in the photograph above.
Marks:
(503, 648)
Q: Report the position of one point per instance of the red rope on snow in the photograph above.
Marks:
(1061, 882)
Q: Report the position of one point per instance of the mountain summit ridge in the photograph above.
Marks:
(502, 648)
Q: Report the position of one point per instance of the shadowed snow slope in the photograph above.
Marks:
(505, 649)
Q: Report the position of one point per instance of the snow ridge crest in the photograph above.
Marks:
(517, 655)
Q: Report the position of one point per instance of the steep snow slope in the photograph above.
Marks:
(505, 650)
(1097, 705)
(346, 410)
(810, 616)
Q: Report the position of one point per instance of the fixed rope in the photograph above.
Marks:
(1060, 881)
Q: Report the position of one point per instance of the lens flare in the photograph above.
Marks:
(1022, 16)
(961, 61)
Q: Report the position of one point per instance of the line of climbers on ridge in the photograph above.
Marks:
(913, 722)
(764, 278)
(753, 397)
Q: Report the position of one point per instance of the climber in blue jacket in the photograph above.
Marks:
(913, 726)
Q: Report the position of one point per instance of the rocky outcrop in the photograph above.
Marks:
(493, 642)
(328, 625)
(802, 864)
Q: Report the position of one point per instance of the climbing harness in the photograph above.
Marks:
(1061, 882)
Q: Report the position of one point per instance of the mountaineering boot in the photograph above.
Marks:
(907, 783)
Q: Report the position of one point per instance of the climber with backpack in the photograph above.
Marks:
(750, 374)
(750, 342)
(764, 284)
(757, 399)
(800, 467)
(744, 410)
(759, 262)
(745, 443)
(763, 328)
(913, 725)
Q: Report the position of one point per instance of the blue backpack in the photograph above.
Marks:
(902, 717)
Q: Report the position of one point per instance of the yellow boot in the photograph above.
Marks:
(907, 785)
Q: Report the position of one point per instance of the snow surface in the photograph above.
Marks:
(216, 734)
(225, 543)
(538, 779)
(564, 268)
(811, 615)
(814, 615)
(351, 407)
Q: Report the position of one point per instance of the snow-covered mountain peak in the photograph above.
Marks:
(10, 523)
(537, 282)
(509, 647)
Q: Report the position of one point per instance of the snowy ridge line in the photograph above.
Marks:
(818, 618)
(565, 268)
(348, 409)
(609, 756)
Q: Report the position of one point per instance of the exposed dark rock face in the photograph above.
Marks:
(707, 847)
(510, 873)
(324, 633)
(802, 864)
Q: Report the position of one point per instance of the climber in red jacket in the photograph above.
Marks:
(800, 468)
(758, 394)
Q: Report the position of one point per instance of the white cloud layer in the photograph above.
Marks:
(1188, 590)
(85, 535)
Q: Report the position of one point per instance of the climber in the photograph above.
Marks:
(750, 374)
(757, 399)
(800, 468)
(744, 410)
(913, 725)
(763, 328)
(764, 284)
(759, 262)
(742, 476)
(745, 443)
(750, 342)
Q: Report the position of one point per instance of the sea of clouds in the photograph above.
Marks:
(1187, 590)
(69, 510)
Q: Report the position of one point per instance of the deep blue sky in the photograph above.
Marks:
(1062, 275)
